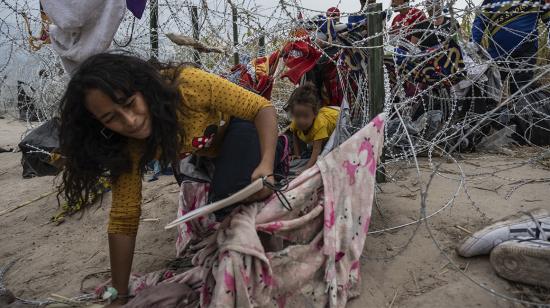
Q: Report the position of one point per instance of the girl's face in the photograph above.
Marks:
(303, 116)
(130, 118)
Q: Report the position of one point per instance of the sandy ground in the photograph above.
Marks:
(402, 267)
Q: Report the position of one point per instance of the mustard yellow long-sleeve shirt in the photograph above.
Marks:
(209, 102)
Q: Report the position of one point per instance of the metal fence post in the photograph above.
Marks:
(154, 28)
(235, 34)
(196, 33)
(375, 68)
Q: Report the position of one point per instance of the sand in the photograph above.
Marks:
(402, 267)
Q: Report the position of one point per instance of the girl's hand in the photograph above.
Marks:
(262, 170)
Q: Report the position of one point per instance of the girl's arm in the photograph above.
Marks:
(124, 222)
(295, 145)
(317, 148)
(121, 251)
(266, 125)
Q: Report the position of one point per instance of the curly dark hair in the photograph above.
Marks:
(306, 94)
(88, 153)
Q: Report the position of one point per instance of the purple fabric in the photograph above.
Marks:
(136, 7)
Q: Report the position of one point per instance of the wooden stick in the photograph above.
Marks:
(463, 229)
(67, 301)
(183, 40)
(466, 267)
(91, 257)
(153, 198)
(443, 272)
(152, 254)
(151, 219)
(445, 265)
(63, 298)
(394, 297)
(26, 203)
(40, 277)
(487, 189)
(415, 281)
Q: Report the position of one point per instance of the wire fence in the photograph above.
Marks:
(451, 82)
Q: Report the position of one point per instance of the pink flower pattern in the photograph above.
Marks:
(229, 281)
(272, 227)
(327, 227)
(351, 170)
(370, 162)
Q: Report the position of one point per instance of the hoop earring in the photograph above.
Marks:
(103, 132)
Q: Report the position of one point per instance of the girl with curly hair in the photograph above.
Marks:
(119, 112)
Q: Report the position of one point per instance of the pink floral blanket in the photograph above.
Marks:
(325, 234)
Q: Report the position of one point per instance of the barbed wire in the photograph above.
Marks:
(441, 100)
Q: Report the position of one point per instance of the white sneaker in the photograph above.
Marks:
(523, 261)
(531, 225)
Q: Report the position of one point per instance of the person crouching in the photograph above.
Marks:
(312, 124)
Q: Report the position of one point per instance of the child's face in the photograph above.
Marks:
(303, 116)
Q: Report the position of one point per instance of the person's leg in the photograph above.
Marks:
(238, 157)
(520, 79)
(524, 62)
(504, 69)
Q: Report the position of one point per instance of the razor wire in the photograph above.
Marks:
(437, 117)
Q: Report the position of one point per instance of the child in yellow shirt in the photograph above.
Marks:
(311, 123)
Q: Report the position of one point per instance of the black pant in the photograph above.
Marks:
(238, 157)
(520, 66)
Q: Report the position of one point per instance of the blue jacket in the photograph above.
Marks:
(505, 28)
(353, 19)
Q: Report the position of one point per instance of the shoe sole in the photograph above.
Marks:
(506, 221)
(524, 264)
